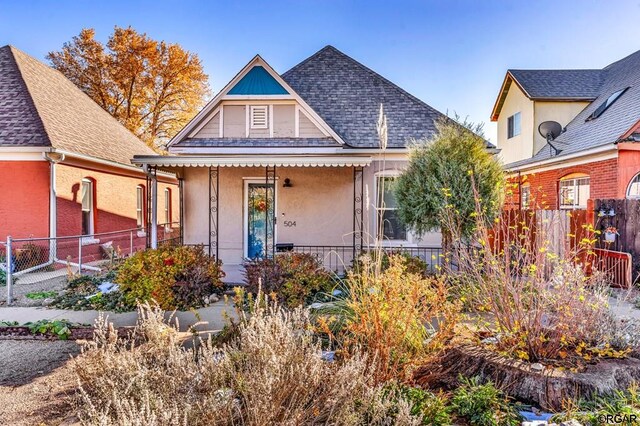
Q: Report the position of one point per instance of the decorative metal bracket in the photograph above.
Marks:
(149, 181)
(358, 200)
(214, 186)
(270, 212)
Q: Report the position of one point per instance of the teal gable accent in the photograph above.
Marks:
(258, 82)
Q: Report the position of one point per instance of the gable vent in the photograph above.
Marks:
(259, 117)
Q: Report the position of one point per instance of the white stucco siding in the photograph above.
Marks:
(320, 202)
(520, 146)
(317, 210)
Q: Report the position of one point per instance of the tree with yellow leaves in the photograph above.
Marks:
(152, 87)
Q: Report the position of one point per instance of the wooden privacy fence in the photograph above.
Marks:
(560, 230)
(568, 232)
(623, 215)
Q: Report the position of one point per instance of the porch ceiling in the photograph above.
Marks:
(302, 160)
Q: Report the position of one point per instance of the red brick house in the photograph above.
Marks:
(596, 154)
(65, 162)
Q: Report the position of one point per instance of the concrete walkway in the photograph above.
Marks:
(209, 318)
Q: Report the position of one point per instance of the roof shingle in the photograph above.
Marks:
(560, 84)
(40, 107)
(580, 134)
(347, 95)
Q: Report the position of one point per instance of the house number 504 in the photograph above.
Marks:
(289, 223)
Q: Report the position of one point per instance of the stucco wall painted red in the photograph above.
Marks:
(24, 199)
(628, 166)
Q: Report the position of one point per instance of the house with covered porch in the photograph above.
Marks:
(293, 161)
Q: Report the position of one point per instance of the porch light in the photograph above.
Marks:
(287, 183)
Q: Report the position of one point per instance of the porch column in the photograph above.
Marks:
(214, 183)
(270, 219)
(358, 199)
(154, 211)
(53, 158)
(181, 207)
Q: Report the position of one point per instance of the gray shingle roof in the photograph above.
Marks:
(580, 134)
(261, 142)
(347, 95)
(560, 84)
(40, 107)
(20, 124)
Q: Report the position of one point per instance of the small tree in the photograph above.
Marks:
(441, 175)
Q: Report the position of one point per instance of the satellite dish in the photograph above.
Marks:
(549, 130)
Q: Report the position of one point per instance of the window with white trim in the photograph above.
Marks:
(87, 207)
(514, 125)
(259, 117)
(574, 191)
(525, 196)
(633, 191)
(140, 220)
(390, 227)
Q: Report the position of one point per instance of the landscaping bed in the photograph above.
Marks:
(545, 386)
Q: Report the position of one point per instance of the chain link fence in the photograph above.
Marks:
(31, 265)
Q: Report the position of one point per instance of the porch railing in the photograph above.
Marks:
(340, 258)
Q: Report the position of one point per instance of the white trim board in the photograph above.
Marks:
(577, 159)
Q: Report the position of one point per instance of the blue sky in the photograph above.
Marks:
(450, 53)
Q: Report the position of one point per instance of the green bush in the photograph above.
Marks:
(431, 408)
(163, 274)
(483, 404)
(294, 278)
(78, 290)
(621, 406)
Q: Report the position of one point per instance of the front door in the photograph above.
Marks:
(259, 219)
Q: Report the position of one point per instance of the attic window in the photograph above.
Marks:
(259, 117)
(606, 104)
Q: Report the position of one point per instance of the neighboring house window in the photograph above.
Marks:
(525, 196)
(167, 205)
(606, 104)
(259, 119)
(574, 191)
(633, 192)
(389, 223)
(87, 207)
(140, 193)
(513, 125)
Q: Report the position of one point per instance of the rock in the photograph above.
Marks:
(205, 300)
(537, 367)
(535, 423)
(48, 301)
(213, 298)
(489, 341)
(571, 422)
(328, 356)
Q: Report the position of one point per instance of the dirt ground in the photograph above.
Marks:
(22, 287)
(36, 382)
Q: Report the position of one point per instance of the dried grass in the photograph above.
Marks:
(271, 373)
